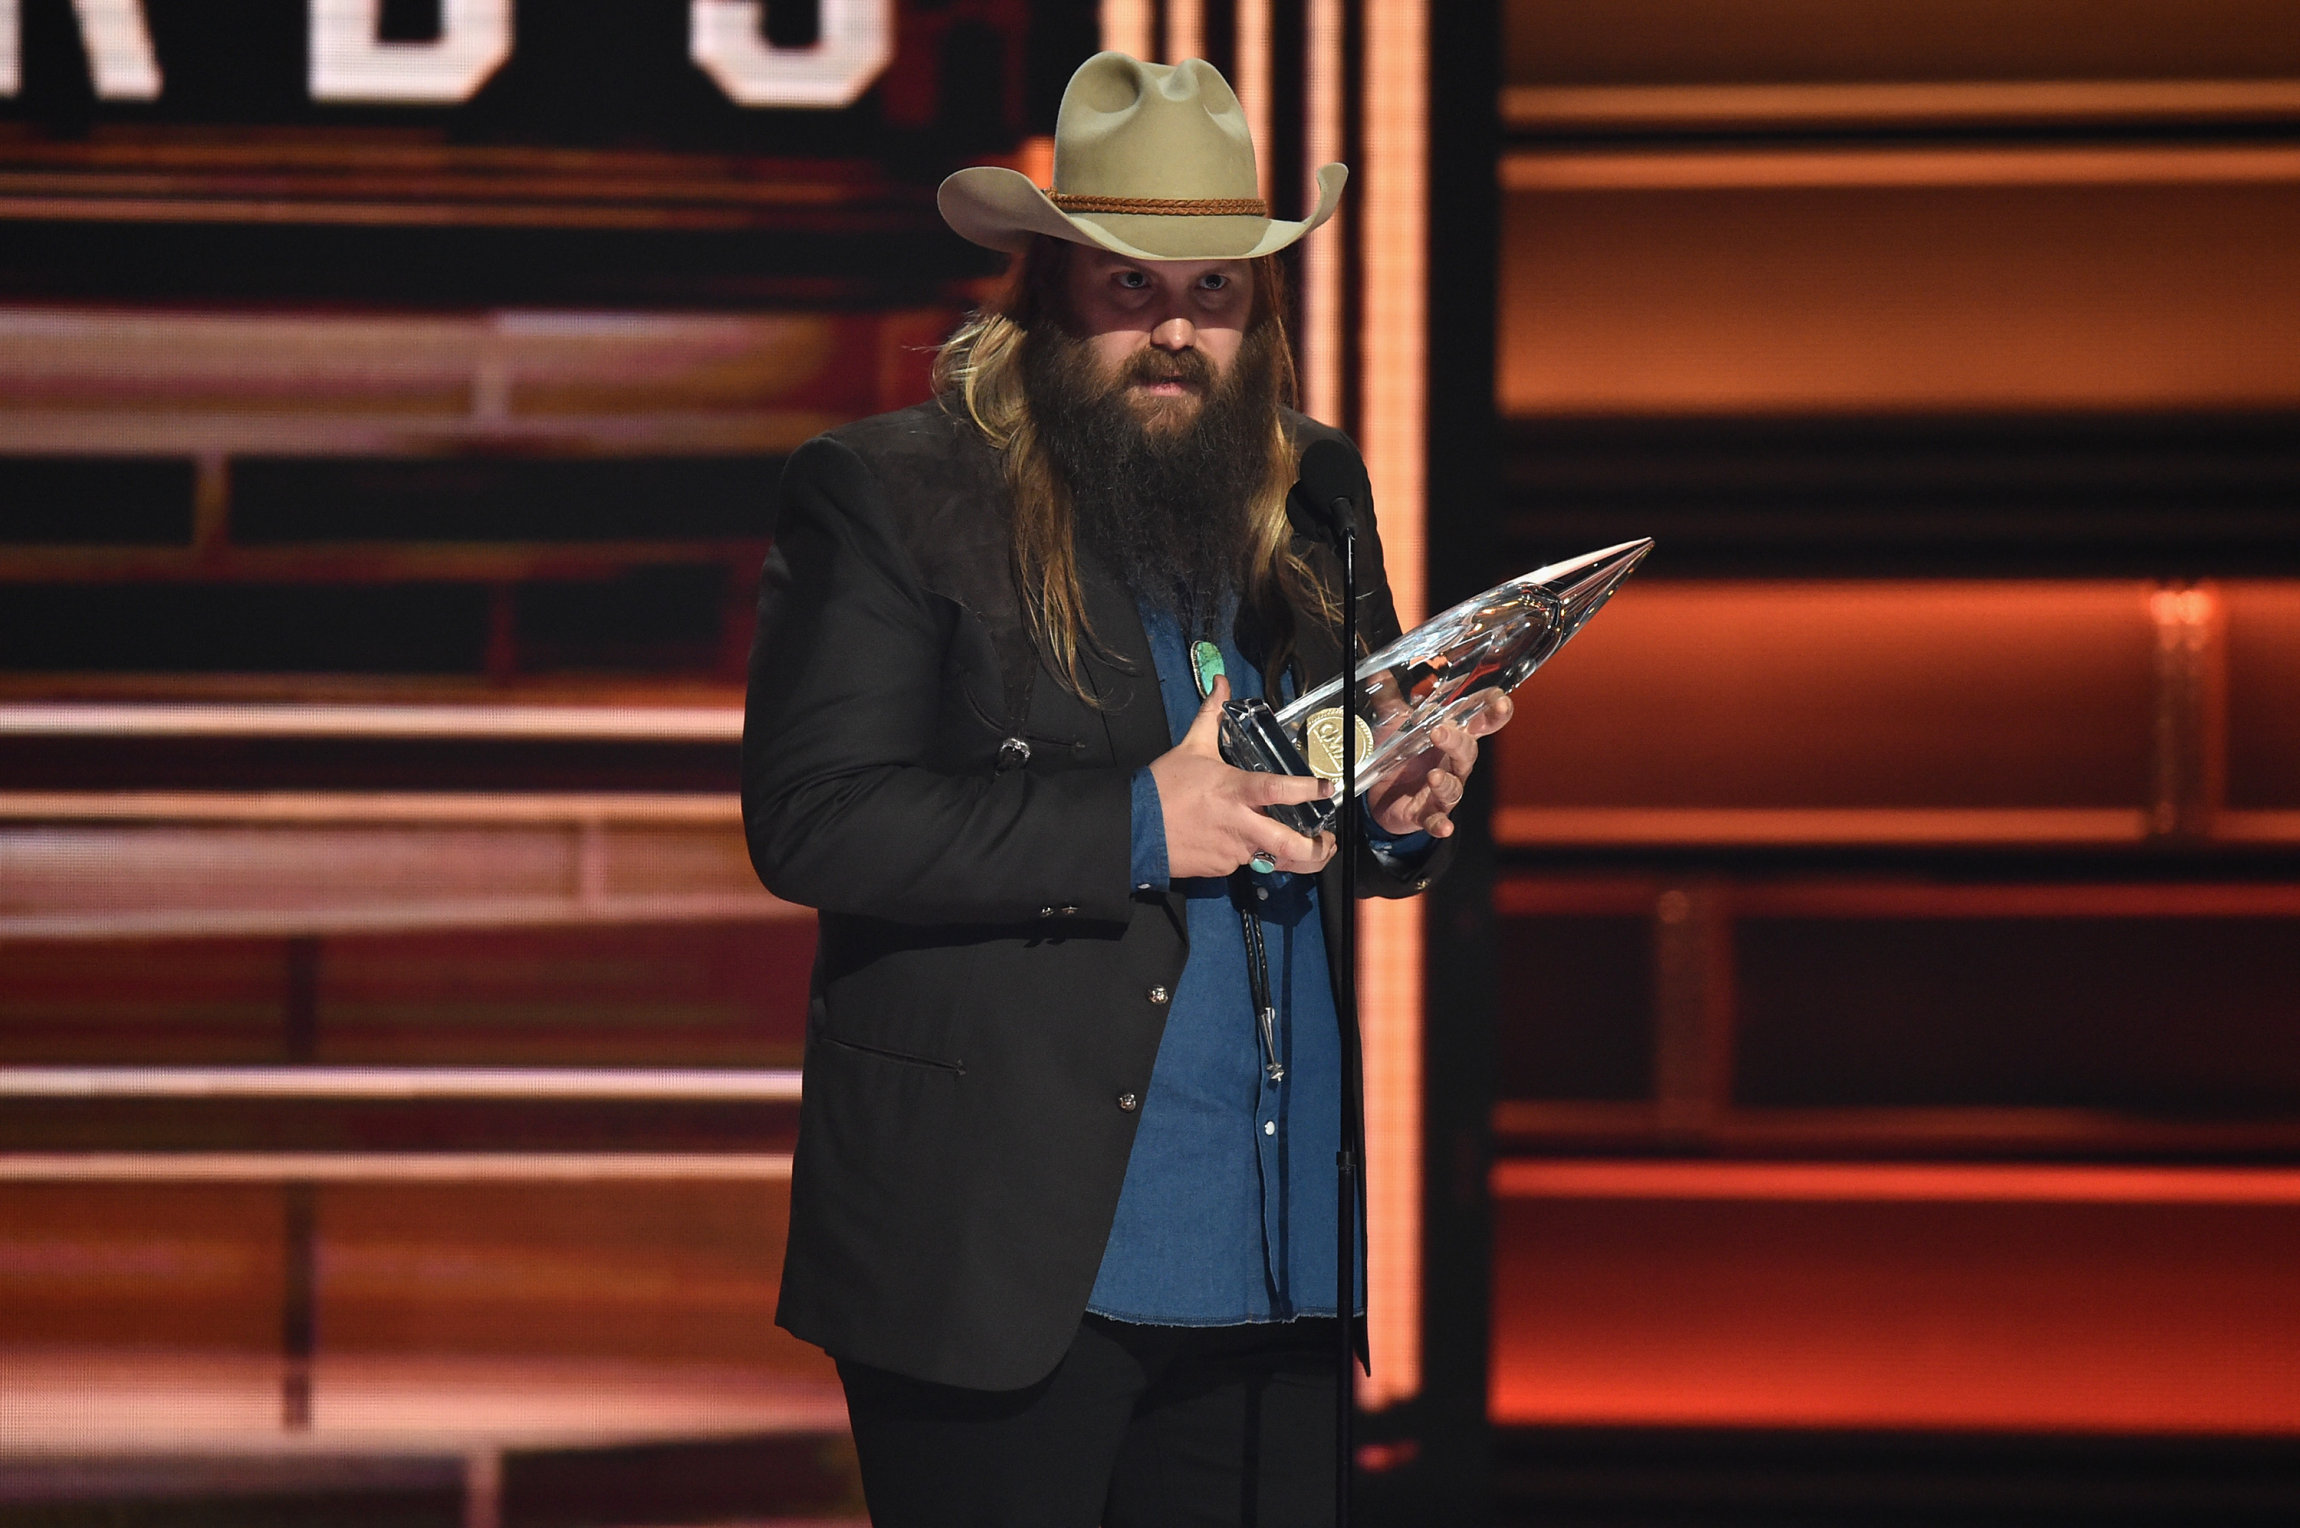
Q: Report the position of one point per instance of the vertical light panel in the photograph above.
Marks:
(1253, 79)
(1393, 208)
(1322, 251)
(1185, 30)
(1393, 346)
(1126, 27)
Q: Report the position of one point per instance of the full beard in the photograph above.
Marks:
(1162, 494)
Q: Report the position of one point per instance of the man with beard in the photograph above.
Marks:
(1063, 1202)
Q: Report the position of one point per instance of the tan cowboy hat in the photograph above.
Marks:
(1150, 160)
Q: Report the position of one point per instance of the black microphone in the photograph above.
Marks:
(1328, 480)
(1329, 484)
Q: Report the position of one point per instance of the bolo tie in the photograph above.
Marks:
(1205, 667)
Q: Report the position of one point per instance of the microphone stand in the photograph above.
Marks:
(1345, 1159)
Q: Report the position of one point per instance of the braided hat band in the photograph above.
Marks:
(1165, 206)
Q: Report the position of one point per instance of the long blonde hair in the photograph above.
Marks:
(978, 375)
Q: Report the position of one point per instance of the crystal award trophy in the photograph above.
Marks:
(1441, 671)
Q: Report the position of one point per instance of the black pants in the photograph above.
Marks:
(1138, 1426)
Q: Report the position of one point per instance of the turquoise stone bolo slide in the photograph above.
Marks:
(1205, 666)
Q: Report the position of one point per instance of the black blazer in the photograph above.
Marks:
(988, 992)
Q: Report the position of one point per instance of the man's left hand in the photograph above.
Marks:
(1419, 797)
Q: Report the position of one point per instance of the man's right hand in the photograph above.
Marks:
(1213, 812)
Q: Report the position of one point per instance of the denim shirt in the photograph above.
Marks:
(1227, 1212)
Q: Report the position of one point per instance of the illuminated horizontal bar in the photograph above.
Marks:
(483, 808)
(104, 865)
(353, 182)
(360, 562)
(1837, 1132)
(387, 917)
(1755, 826)
(375, 1082)
(1930, 103)
(388, 1167)
(2254, 827)
(1852, 168)
(649, 724)
(1623, 896)
(136, 428)
(20, 205)
(1825, 899)
(1945, 1183)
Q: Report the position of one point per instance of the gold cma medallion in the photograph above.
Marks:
(1322, 743)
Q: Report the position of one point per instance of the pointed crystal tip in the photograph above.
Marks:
(1583, 584)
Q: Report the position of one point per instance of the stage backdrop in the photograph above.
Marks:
(1897, 966)
(398, 1051)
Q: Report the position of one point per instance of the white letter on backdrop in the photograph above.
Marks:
(349, 62)
(728, 39)
(118, 44)
(119, 49)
